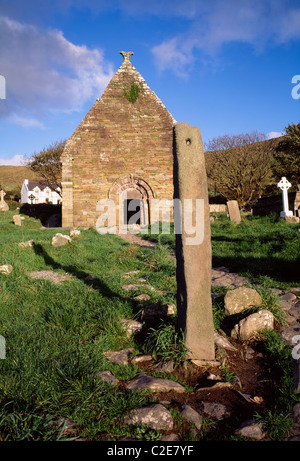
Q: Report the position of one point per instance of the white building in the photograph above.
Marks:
(34, 192)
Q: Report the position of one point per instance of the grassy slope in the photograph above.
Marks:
(56, 334)
(263, 249)
(12, 177)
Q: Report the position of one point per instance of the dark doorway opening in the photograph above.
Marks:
(132, 211)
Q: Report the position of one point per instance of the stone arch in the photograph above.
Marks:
(131, 188)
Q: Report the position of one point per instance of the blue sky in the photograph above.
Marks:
(223, 66)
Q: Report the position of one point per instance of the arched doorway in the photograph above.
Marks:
(132, 197)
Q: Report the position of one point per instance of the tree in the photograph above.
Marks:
(287, 155)
(240, 166)
(46, 164)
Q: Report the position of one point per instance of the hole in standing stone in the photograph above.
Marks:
(188, 141)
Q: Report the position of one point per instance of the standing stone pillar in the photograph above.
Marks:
(193, 250)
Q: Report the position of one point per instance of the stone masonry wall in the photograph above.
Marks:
(117, 139)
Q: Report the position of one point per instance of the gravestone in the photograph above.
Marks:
(3, 204)
(234, 211)
(284, 185)
(193, 250)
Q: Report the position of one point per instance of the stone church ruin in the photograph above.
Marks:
(122, 150)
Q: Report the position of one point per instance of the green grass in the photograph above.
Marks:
(265, 249)
(56, 334)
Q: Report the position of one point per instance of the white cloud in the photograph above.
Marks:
(259, 23)
(45, 72)
(26, 122)
(274, 134)
(17, 160)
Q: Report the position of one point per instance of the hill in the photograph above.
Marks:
(12, 177)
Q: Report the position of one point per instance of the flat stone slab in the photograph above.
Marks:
(251, 429)
(215, 410)
(119, 357)
(141, 358)
(29, 243)
(6, 269)
(131, 326)
(191, 415)
(155, 416)
(156, 311)
(143, 381)
(107, 377)
(136, 286)
(51, 276)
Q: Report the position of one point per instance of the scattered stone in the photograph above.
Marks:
(239, 299)
(107, 377)
(250, 398)
(250, 429)
(156, 311)
(17, 220)
(165, 367)
(119, 357)
(141, 280)
(141, 358)
(296, 414)
(223, 342)
(131, 326)
(253, 324)
(89, 278)
(60, 240)
(219, 385)
(295, 310)
(206, 363)
(155, 416)
(135, 286)
(51, 276)
(292, 219)
(191, 415)
(212, 377)
(247, 353)
(127, 439)
(6, 269)
(142, 297)
(236, 380)
(29, 243)
(75, 232)
(287, 334)
(171, 437)
(130, 273)
(143, 381)
(288, 296)
(215, 410)
(69, 427)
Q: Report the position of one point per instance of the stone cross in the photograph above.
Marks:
(193, 255)
(284, 185)
(3, 204)
(126, 55)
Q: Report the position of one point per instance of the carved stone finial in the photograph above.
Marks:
(126, 55)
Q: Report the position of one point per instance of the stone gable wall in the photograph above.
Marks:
(117, 139)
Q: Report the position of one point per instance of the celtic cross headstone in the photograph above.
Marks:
(284, 185)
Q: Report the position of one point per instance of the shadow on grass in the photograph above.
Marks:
(279, 269)
(95, 283)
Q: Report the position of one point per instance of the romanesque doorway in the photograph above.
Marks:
(132, 196)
